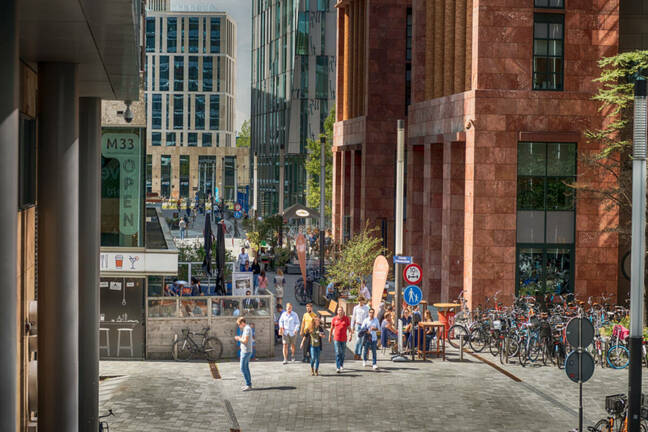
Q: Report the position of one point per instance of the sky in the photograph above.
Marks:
(241, 13)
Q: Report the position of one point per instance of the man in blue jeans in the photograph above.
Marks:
(246, 351)
(340, 326)
(371, 325)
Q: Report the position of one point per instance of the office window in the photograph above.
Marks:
(193, 35)
(200, 112)
(214, 112)
(208, 68)
(156, 139)
(165, 175)
(189, 125)
(322, 78)
(170, 139)
(206, 140)
(178, 73)
(548, 39)
(156, 111)
(178, 111)
(215, 35)
(164, 73)
(172, 34)
(146, 73)
(204, 39)
(229, 177)
(149, 174)
(167, 110)
(303, 125)
(183, 26)
(550, 4)
(193, 73)
(303, 73)
(545, 217)
(27, 163)
(184, 176)
(150, 34)
(193, 139)
(302, 34)
(322, 6)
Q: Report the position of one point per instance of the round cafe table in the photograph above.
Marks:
(446, 312)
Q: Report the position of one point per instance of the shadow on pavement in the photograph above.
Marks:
(274, 388)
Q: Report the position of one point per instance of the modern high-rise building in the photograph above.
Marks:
(190, 77)
(293, 91)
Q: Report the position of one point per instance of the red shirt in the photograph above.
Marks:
(340, 326)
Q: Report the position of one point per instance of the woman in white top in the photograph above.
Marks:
(371, 325)
(279, 282)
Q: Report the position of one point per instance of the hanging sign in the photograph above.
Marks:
(301, 254)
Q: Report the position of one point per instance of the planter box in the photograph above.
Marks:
(347, 304)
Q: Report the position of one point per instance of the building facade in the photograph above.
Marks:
(293, 91)
(190, 79)
(496, 97)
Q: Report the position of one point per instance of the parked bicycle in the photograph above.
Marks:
(103, 426)
(617, 420)
(186, 348)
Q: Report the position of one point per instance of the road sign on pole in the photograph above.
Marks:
(401, 259)
(412, 295)
(413, 274)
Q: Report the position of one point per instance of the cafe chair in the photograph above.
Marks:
(107, 345)
(129, 332)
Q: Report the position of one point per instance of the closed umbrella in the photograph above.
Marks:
(207, 232)
(220, 258)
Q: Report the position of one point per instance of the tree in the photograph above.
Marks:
(243, 139)
(313, 167)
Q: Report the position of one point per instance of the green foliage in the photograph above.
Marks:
(313, 167)
(281, 257)
(356, 258)
(195, 253)
(243, 139)
(265, 230)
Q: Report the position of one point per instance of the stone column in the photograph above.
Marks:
(9, 108)
(449, 44)
(89, 242)
(460, 46)
(58, 248)
(347, 65)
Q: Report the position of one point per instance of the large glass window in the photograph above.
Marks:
(550, 4)
(214, 112)
(165, 175)
(200, 111)
(184, 176)
(322, 6)
(178, 111)
(178, 73)
(170, 139)
(164, 73)
(303, 75)
(215, 35)
(208, 68)
(229, 177)
(548, 41)
(322, 78)
(193, 73)
(150, 34)
(172, 34)
(545, 217)
(302, 34)
(192, 139)
(149, 174)
(156, 111)
(156, 139)
(206, 140)
(303, 125)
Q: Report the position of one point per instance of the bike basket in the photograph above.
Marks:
(615, 404)
(497, 325)
(620, 331)
(644, 413)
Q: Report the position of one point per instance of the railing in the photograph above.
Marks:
(213, 307)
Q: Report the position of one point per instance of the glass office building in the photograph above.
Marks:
(293, 90)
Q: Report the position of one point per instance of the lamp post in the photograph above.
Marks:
(400, 183)
(638, 253)
(322, 204)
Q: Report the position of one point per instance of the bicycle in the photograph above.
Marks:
(618, 356)
(103, 426)
(185, 348)
(617, 408)
(303, 293)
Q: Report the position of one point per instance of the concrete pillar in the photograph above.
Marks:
(468, 51)
(460, 46)
(347, 63)
(449, 43)
(89, 225)
(9, 108)
(58, 249)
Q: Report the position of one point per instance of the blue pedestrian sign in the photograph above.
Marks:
(238, 214)
(401, 259)
(412, 295)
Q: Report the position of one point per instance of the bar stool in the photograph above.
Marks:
(107, 345)
(129, 332)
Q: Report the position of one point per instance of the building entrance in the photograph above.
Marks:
(207, 175)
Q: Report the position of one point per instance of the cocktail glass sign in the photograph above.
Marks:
(126, 149)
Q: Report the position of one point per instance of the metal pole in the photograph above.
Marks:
(9, 115)
(322, 201)
(400, 172)
(255, 186)
(282, 160)
(89, 225)
(638, 254)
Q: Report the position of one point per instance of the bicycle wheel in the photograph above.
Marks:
(601, 426)
(213, 349)
(454, 334)
(523, 355)
(559, 355)
(494, 346)
(618, 357)
(181, 350)
(478, 340)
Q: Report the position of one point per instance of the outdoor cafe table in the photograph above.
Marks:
(440, 341)
(446, 313)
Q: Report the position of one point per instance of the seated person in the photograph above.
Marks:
(172, 289)
(331, 292)
(387, 330)
(430, 332)
(407, 325)
(249, 303)
(185, 290)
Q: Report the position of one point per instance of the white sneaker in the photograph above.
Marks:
(247, 388)
(285, 361)
(341, 368)
(375, 367)
(337, 370)
(293, 360)
(364, 363)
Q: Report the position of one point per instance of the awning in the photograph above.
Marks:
(299, 211)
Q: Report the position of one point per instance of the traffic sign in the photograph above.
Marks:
(573, 367)
(237, 207)
(412, 295)
(401, 259)
(580, 332)
(238, 214)
(413, 274)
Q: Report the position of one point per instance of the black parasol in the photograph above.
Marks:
(220, 258)
(208, 236)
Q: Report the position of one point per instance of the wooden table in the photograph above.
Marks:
(446, 312)
(440, 341)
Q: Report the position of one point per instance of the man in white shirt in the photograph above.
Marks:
(372, 325)
(242, 258)
(246, 351)
(288, 327)
(360, 312)
(364, 291)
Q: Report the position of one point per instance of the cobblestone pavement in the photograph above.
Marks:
(426, 396)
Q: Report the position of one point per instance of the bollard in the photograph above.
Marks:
(461, 345)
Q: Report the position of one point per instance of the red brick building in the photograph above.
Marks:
(499, 100)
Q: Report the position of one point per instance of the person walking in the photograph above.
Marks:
(183, 228)
(314, 335)
(340, 326)
(364, 291)
(246, 341)
(306, 323)
(288, 328)
(360, 312)
(370, 326)
(279, 283)
(256, 271)
(263, 281)
(242, 259)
